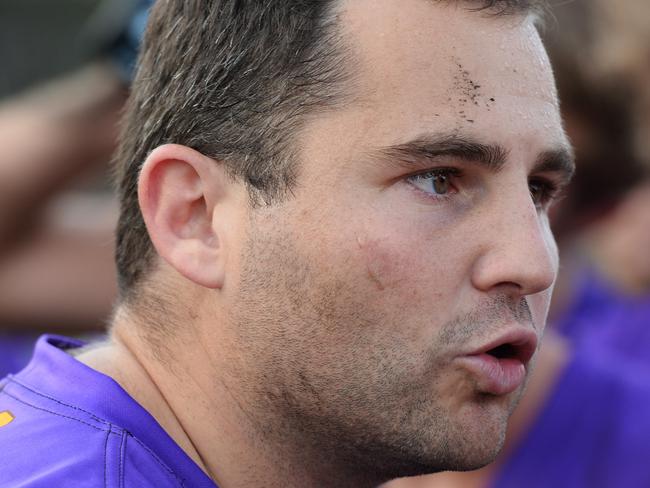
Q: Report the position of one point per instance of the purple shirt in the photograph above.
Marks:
(603, 317)
(63, 424)
(15, 351)
(594, 431)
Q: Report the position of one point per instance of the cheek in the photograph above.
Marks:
(399, 273)
(384, 265)
(383, 268)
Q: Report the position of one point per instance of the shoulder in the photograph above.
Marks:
(47, 441)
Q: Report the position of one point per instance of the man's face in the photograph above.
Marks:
(416, 240)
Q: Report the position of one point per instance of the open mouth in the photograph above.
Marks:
(499, 368)
(505, 351)
(520, 348)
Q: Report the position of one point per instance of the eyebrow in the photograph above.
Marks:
(560, 161)
(433, 147)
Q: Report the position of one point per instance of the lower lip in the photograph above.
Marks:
(495, 376)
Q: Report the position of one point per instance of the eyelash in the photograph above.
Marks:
(450, 173)
(549, 191)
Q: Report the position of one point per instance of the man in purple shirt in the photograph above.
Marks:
(334, 254)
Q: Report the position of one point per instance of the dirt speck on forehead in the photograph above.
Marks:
(468, 92)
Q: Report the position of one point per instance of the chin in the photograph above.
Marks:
(477, 459)
(482, 440)
(428, 463)
(479, 454)
(465, 446)
(476, 439)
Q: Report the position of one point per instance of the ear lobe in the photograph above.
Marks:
(179, 191)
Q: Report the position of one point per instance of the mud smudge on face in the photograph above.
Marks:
(468, 92)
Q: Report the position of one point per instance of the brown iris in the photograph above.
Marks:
(441, 184)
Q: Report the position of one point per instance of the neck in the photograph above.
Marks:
(115, 358)
(198, 402)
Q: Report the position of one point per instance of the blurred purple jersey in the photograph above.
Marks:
(604, 318)
(63, 424)
(594, 431)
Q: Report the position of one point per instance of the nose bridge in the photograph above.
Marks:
(519, 249)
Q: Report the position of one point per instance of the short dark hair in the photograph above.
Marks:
(232, 79)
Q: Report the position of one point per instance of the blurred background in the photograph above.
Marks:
(66, 69)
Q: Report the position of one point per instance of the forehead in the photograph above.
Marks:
(426, 66)
(402, 40)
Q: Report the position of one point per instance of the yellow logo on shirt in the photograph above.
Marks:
(6, 418)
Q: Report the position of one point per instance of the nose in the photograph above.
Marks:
(518, 250)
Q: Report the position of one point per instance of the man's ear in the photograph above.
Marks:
(184, 199)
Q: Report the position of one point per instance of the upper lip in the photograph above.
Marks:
(519, 343)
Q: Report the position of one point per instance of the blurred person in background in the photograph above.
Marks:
(584, 421)
(603, 226)
(55, 265)
(56, 217)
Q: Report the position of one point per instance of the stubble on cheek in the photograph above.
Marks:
(343, 351)
(383, 268)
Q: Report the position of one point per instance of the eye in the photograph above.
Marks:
(436, 182)
(543, 192)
